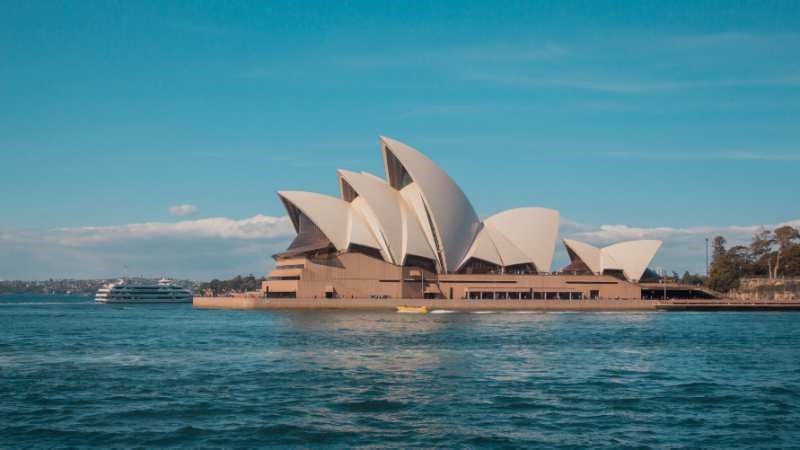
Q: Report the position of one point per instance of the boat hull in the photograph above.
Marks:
(154, 301)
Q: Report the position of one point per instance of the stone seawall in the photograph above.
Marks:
(455, 305)
(766, 289)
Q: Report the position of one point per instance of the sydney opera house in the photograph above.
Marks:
(415, 235)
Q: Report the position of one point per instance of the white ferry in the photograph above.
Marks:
(166, 291)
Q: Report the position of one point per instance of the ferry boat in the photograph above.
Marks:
(165, 291)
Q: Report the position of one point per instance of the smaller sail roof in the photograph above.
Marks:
(483, 248)
(533, 231)
(631, 257)
(340, 223)
(589, 254)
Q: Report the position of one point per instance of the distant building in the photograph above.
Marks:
(416, 235)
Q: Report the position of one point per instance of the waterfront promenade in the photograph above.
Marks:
(492, 305)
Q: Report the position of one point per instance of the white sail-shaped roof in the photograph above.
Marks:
(420, 211)
(454, 221)
(419, 239)
(483, 248)
(395, 227)
(361, 206)
(340, 223)
(532, 230)
(510, 254)
(589, 254)
(631, 257)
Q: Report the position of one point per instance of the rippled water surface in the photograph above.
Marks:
(73, 373)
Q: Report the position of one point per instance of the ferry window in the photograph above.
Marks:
(500, 295)
(594, 295)
(513, 295)
(537, 296)
(563, 295)
(525, 295)
(552, 295)
(487, 295)
(474, 295)
(577, 296)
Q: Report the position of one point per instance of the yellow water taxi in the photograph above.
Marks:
(413, 309)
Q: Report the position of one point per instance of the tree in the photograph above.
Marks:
(785, 237)
(692, 279)
(761, 252)
(236, 284)
(726, 266)
(791, 258)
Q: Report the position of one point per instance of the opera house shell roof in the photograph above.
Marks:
(418, 213)
(630, 257)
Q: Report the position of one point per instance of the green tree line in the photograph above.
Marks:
(771, 254)
(236, 284)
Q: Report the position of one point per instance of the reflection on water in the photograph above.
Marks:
(75, 374)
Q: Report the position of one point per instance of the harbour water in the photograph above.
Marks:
(73, 373)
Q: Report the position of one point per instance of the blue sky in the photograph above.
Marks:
(643, 115)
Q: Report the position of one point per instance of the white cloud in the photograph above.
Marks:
(605, 234)
(182, 210)
(200, 249)
(683, 249)
(254, 228)
(221, 247)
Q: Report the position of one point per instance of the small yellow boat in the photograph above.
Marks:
(412, 309)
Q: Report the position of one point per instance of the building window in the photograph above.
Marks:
(398, 175)
(420, 262)
(348, 193)
(479, 266)
(363, 249)
(615, 273)
(576, 265)
(520, 269)
(309, 236)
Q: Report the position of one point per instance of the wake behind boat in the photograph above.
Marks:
(165, 291)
